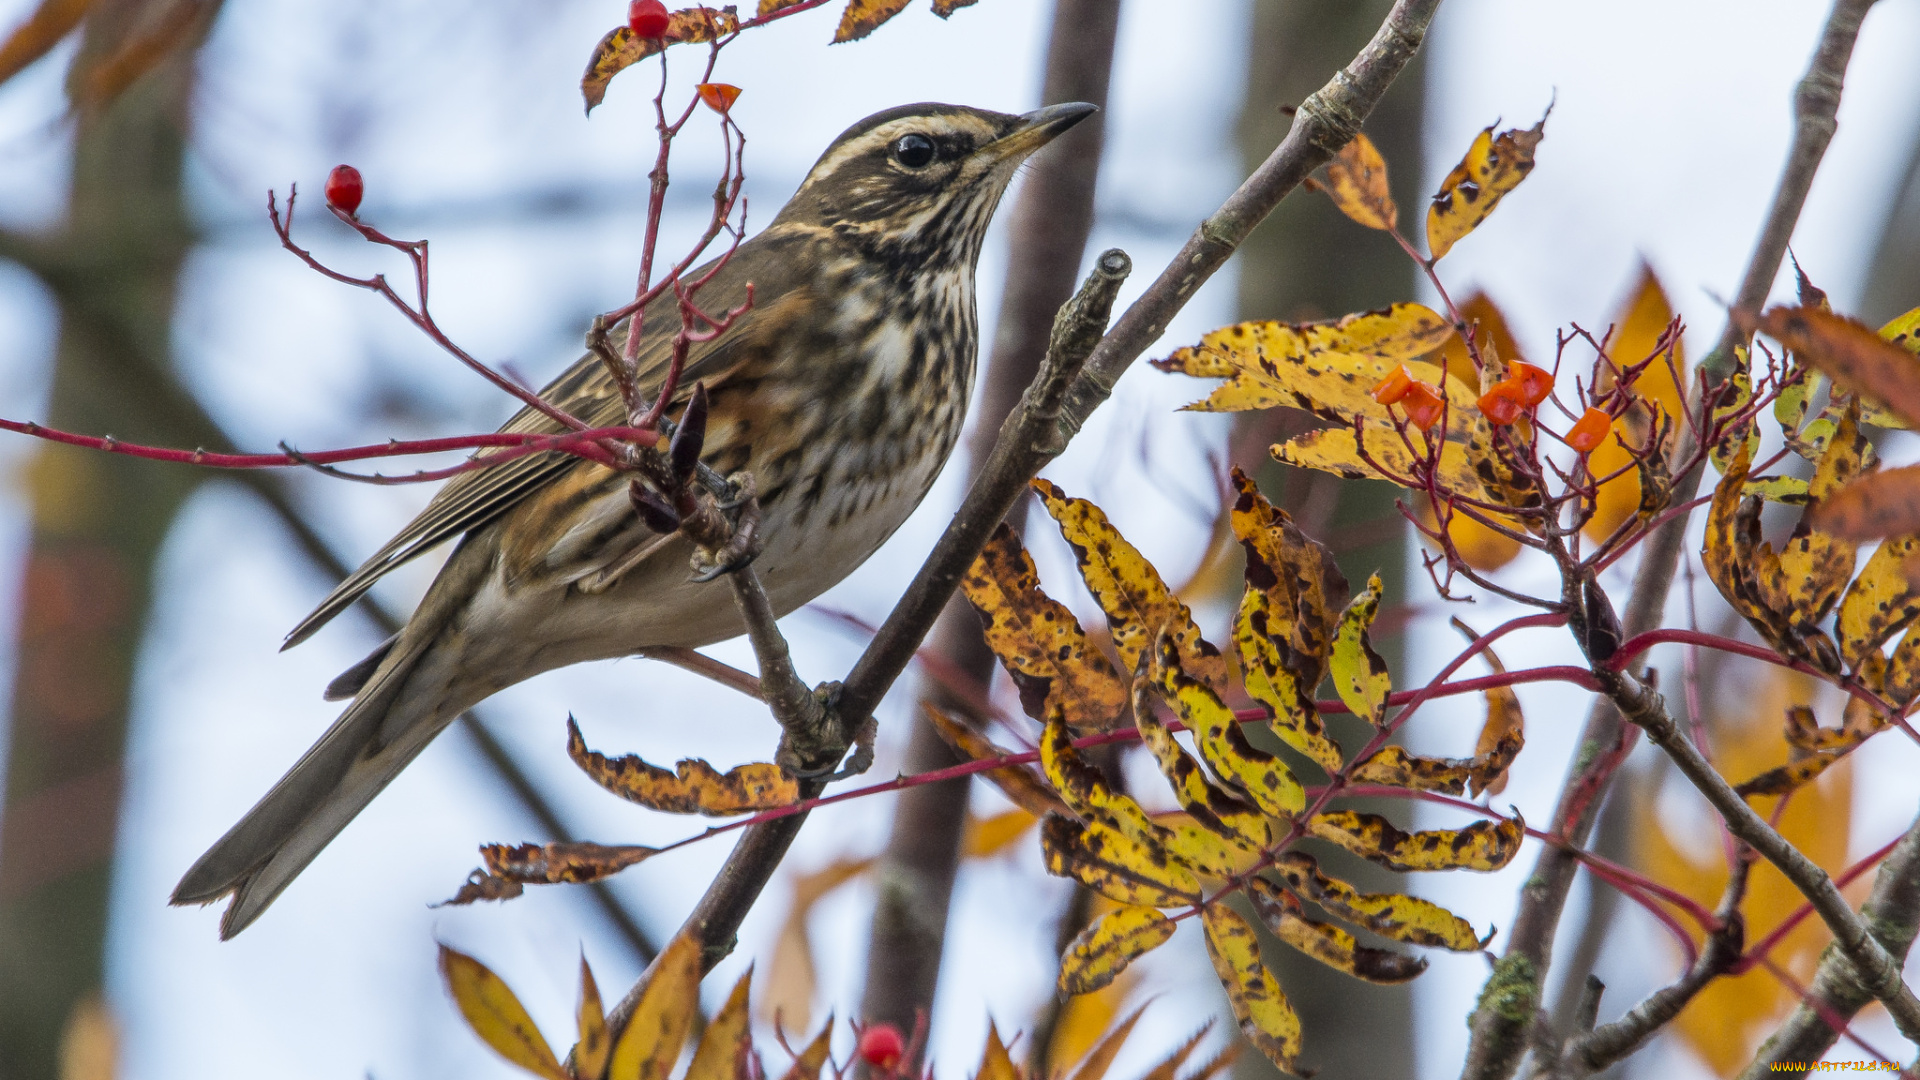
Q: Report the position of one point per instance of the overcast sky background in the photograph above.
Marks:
(1670, 121)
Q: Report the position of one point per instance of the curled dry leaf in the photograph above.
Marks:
(1391, 915)
(1357, 182)
(496, 1015)
(1102, 951)
(695, 787)
(622, 48)
(1492, 167)
(510, 866)
(1329, 944)
(1483, 845)
(1266, 1018)
(1137, 602)
(862, 17)
(1039, 642)
(481, 885)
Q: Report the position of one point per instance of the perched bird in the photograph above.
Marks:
(842, 390)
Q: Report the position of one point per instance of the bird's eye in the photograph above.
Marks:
(913, 151)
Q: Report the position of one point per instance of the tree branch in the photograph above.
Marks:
(1501, 1019)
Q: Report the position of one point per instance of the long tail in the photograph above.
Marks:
(406, 703)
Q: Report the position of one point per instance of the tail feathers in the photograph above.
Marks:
(334, 781)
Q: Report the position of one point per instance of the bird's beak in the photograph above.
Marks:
(1035, 130)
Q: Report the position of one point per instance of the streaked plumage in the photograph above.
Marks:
(843, 390)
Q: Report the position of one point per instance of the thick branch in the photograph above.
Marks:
(1877, 971)
(1892, 914)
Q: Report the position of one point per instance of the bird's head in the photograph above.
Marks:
(916, 185)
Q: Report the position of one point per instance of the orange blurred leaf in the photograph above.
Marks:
(694, 787)
(718, 96)
(1357, 182)
(33, 39)
(1637, 330)
(1850, 352)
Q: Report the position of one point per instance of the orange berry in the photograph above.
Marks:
(1535, 383)
(1503, 403)
(1393, 387)
(718, 95)
(1587, 432)
(1423, 404)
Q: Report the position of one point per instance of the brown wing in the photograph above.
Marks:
(472, 499)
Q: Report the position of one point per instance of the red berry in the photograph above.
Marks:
(1503, 403)
(344, 189)
(1423, 404)
(882, 1047)
(648, 18)
(719, 96)
(1587, 432)
(1393, 387)
(1535, 383)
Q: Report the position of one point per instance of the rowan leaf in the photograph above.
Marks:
(1885, 503)
(1395, 767)
(1883, 599)
(1099, 1059)
(1325, 942)
(1637, 332)
(1017, 782)
(1039, 641)
(727, 1040)
(1291, 711)
(1298, 575)
(1265, 1017)
(1785, 778)
(496, 1015)
(1391, 915)
(694, 787)
(595, 1047)
(1501, 738)
(622, 48)
(1250, 772)
(510, 866)
(1357, 182)
(983, 838)
(1338, 451)
(807, 1066)
(1491, 168)
(1115, 866)
(995, 1062)
(1241, 824)
(1857, 358)
(1813, 566)
(1137, 603)
(863, 17)
(1102, 951)
(1735, 435)
(1360, 674)
(648, 1047)
(1483, 845)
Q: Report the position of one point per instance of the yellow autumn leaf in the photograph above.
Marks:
(1726, 1023)
(1484, 845)
(1394, 766)
(1137, 603)
(591, 1053)
(808, 1065)
(621, 48)
(1391, 915)
(727, 1038)
(1265, 1017)
(1360, 674)
(1242, 825)
(1102, 951)
(1299, 576)
(496, 1015)
(648, 1047)
(995, 1063)
(1115, 866)
(1357, 182)
(694, 787)
(862, 17)
(1082, 1035)
(1379, 453)
(1815, 565)
(1038, 640)
(1882, 601)
(989, 836)
(1325, 942)
(1502, 737)
(1018, 783)
(1637, 330)
(1250, 772)
(1491, 169)
(1291, 712)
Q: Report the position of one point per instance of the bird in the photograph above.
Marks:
(842, 389)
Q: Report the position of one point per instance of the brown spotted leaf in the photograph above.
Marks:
(1241, 824)
(1483, 845)
(1883, 599)
(1300, 579)
(1137, 603)
(1017, 782)
(727, 1040)
(1395, 767)
(1329, 944)
(552, 864)
(622, 48)
(1266, 1019)
(496, 1015)
(1492, 167)
(1814, 566)
(1292, 713)
(1357, 182)
(1102, 951)
(1252, 773)
(648, 1047)
(694, 787)
(1039, 641)
(1359, 673)
(1391, 915)
(862, 17)
(1106, 861)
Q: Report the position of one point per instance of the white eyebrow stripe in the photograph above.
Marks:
(880, 136)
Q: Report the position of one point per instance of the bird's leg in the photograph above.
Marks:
(727, 533)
